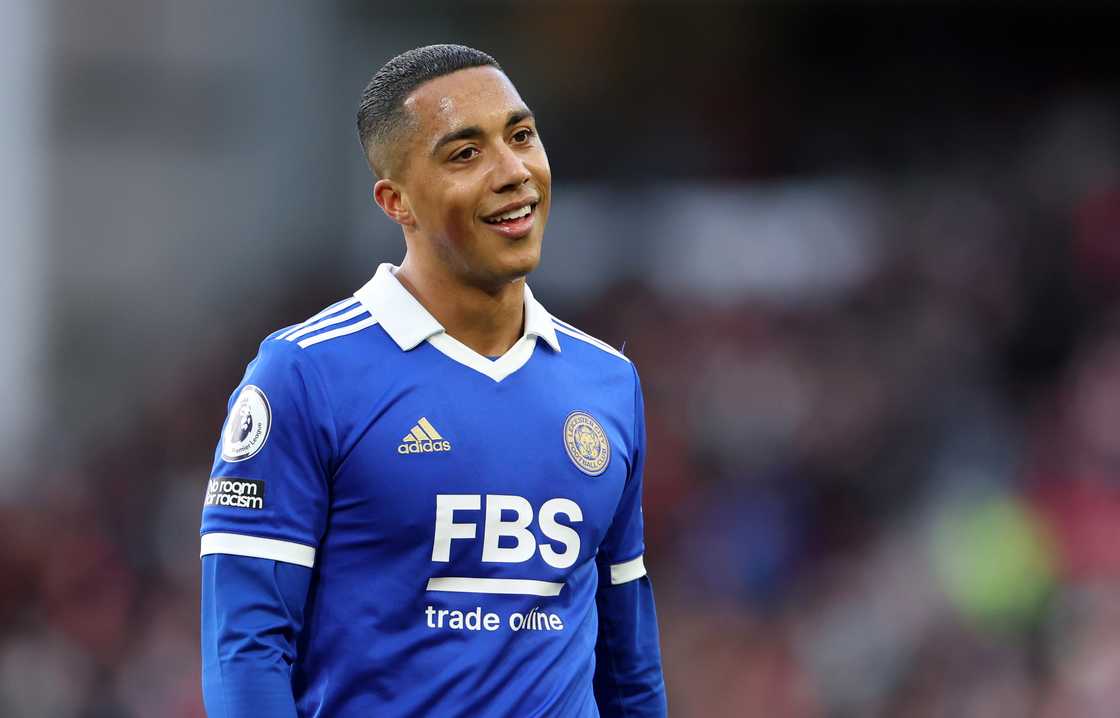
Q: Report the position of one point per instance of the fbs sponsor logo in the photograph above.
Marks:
(423, 439)
(237, 493)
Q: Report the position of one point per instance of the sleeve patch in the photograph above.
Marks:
(235, 493)
(247, 427)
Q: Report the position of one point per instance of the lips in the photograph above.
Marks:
(513, 221)
(510, 215)
(514, 210)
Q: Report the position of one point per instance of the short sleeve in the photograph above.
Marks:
(621, 555)
(268, 492)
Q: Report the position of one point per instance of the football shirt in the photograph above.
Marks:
(458, 512)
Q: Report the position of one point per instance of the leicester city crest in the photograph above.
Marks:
(587, 443)
(248, 425)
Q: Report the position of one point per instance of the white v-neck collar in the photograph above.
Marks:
(409, 324)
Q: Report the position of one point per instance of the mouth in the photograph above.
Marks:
(513, 223)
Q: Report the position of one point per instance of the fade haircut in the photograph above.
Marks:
(381, 113)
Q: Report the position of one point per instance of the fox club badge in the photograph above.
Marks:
(587, 443)
(248, 425)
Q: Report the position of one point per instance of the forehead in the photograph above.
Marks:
(478, 96)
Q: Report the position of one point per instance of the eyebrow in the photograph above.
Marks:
(474, 131)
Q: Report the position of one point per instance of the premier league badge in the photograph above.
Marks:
(587, 443)
(248, 425)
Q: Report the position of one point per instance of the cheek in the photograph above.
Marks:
(541, 170)
(458, 215)
(542, 175)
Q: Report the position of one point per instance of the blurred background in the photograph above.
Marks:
(866, 257)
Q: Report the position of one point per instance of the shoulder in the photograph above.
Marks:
(585, 344)
(341, 319)
(314, 346)
(612, 376)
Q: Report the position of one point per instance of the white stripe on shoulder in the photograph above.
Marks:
(628, 570)
(336, 307)
(257, 547)
(329, 321)
(339, 332)
(597, 343)
(583, 334)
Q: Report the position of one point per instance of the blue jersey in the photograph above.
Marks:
(457, 512)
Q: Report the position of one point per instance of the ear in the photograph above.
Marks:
(390, 198)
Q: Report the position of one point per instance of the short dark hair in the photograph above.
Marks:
(381, 111)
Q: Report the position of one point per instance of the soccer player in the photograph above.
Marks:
(426, 500)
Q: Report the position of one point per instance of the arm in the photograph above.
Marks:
(262, 520)
(628, 677)
(252, 611)
(628, 680)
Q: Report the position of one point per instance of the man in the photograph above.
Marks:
(427, 497)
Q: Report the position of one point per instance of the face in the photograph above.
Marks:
(475, 181)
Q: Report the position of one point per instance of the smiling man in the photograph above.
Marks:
(426, 500)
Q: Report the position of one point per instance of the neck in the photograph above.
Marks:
(488, 320)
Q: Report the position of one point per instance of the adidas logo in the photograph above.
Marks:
(423, 439)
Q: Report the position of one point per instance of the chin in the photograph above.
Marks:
(519, 264)
(517, 270)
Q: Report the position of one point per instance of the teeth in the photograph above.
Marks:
(515, 214)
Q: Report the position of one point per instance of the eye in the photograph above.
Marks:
(523, 135)
(467, 153)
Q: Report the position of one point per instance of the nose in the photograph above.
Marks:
(509, 171)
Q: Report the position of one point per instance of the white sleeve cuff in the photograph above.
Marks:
(255, 547)
(628, 570)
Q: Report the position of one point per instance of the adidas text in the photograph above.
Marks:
(424, 447)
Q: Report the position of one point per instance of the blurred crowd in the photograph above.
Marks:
(905, 502)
